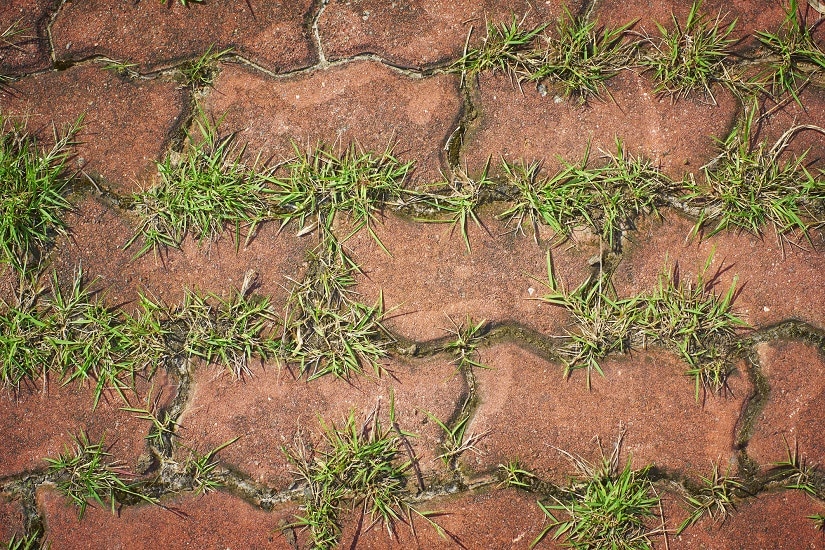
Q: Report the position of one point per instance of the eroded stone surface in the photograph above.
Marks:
(28, 50)
(272, 410)
(793, 413)
(11, 518)
(154, 35)
(362, 102)
(215, 520)
(770, 288)
(124, 125)
(531, 411)
(677, 137)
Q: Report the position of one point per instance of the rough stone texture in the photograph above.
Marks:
(363, 102)
(770, 288)
(796, 374)
(125, 123)
(213, 267)
(29, 50)
(272, 409)
(777, 521)
(272, 34)
(11, 518)
(677, 137)
(530, 411)
(35, 424)
(789, 114)
(478, 520)
(419, 33)
(216, 520)
(431, 278)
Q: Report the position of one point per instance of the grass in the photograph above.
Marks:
(605, 508)
(513, 475)
(818, 521)
(30, 541)
(606, 198)
(504, 49)
(359, 465)
(715, 498)
(201, 193)
(85, 475)
(202, 71)
(796, 57)
(456, 440)
(121, 67)
(690, 57)
(796, 473)
(33, 180)
(163, 425)
(468, 337)
(751, 185)
(201, 469)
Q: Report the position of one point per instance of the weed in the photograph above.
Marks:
(607, 508)
(85, 474)
(163, 427)
(24, 353)
(202, 469)
(796, 55)
(201, 193)
(121, 67)
(505, 48)
(32, 182)
(513, 475)
(201, 72)
(183, 2)
(819, 521)
(468, 337)
(359, 465)
(748, 186)
(690, 57)
(796, 473)
(581, 56)
(456, 440)
(30, 541)
(715, 499)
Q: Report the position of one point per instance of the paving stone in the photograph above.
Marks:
(8, 283)
(99, 232)
(677, 137)
(430, 278)
(771, 288)
(530, 411)
(775, 520)
(502, 518)
(788, 114)
(36, 423)
(11, 518)
(364, 102)
(418, 33)
(271, 409)
(125, 123)
(796, 375)
(29, 50)
(271, 34)
(215, 520)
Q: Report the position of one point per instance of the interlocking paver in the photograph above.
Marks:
(125, 124)
(27, 50)
(11, 518)
(153, 35)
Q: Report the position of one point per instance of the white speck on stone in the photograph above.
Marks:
(558, 99)
(531, 291)
(297, 96)
(766, 309)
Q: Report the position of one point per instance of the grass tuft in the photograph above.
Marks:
(715, 498)
(202, 469)
(456, 440)
(504, 49)
(202, 71)
(468, 337)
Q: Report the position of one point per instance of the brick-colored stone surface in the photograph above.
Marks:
(531, 412)
(430, 278)
(216, 520)
(526, 126)
(272, 34)
(771, 287)
(419, 33)
(781, 117)
(11, 518)
(36, 423)
(125, 124)
(796, 375)
(363, 102)
(29, 50)
(271, 409)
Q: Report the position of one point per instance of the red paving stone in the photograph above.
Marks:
(771, 288)
(677, 137)
(431, 278)
(362, 101)
(418, 33)
(126, 124)
(35, 425)
(531, 412)
(11, 518)
(29, 50)
(216, 520)
(785, 115)
(796, 375)
(271, 408)
(151, 34)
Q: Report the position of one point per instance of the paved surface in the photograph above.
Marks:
(371, 71)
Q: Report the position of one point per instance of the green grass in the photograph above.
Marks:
(201, 193)
(456, 441)
(607, 198)
(30, 541)
(358, 465)
(121, 67)
(750, 185)
(33, 180)
(581, 55)
(505, 48)
(163, 425)
(795, 55)
(202, 71)
(468, 337)
(714, 498)
(818, 521)
(85, 474)
(795, 473)
(202, 469)
(605, 508)
(513, 475)
(691, 57)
